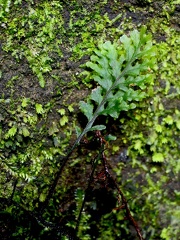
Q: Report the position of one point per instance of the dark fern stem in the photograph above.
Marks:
(94, 165)
(124, 202)
(112, 182)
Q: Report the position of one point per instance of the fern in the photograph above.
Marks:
(121, 70)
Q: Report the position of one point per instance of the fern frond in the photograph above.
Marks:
(116, 68)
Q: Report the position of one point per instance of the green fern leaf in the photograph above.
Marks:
(87, 109)
(106, 85)
(97, 127)
(117, 67)
(135, 38)
(96, 95)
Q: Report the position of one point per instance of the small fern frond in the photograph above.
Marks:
(117, 68)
